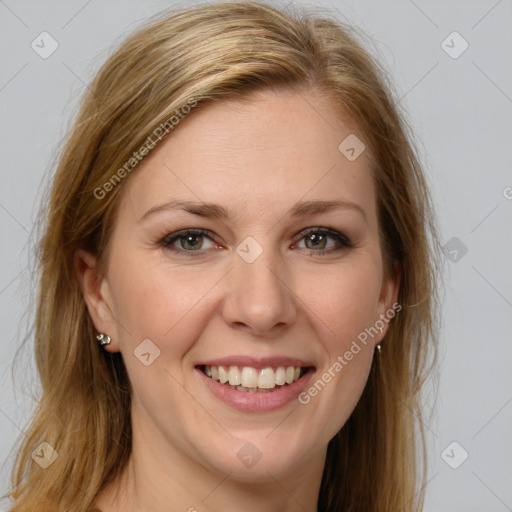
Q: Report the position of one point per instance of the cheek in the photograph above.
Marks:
(171, 304)
(158, 301)
(346, 311)
(345, 300)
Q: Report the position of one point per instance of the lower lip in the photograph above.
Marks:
(256, 402)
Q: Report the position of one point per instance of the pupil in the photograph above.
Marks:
(319, 237)
(189, 240)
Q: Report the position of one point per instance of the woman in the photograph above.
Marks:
(237, 302)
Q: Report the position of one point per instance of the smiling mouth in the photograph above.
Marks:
(253, 380)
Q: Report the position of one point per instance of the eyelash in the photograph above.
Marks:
(342, 240)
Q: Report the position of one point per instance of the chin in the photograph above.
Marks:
(259, 458)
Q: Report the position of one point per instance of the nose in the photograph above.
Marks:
(259, 299)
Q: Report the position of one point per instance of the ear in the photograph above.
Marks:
(387, 305)
(96, 293)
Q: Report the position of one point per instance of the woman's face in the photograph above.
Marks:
(276, 278)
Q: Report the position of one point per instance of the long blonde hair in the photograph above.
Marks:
(202, 54)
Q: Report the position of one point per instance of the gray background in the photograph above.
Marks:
(461, 111)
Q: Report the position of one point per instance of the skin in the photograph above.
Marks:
(256, 158)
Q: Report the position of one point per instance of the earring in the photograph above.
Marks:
(379, 347)
(103, 339)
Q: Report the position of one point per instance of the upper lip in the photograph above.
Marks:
(256, 362)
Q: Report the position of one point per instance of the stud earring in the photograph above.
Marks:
(379, 347)
(103, 339)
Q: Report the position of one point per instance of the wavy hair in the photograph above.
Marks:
(377, 461)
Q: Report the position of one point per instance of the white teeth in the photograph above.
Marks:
(266, 379)
(290, 374)
(249, 390)
(234, 376)
(280, 376)
(223, 375)
(250, 379)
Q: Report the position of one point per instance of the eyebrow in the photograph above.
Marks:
(216, 211)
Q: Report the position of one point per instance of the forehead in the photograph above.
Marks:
(273, 149)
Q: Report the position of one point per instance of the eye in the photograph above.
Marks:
(191, 242)
(316, 240)
(188, 241)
